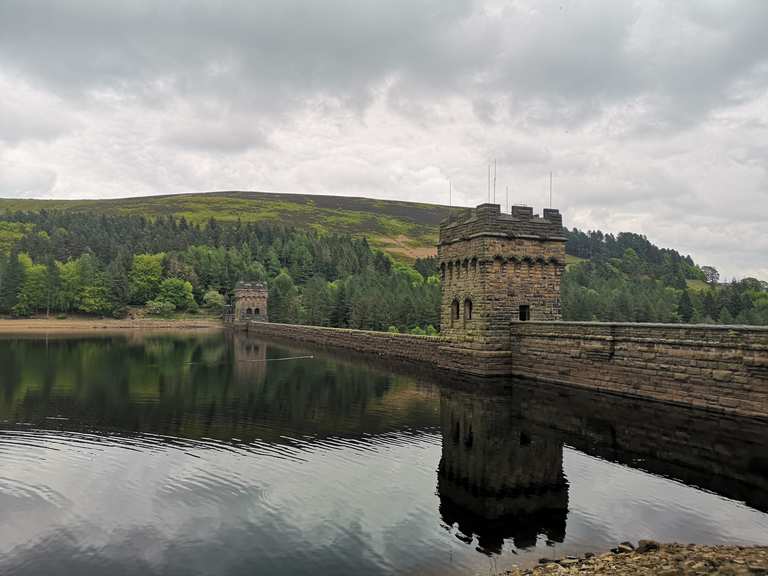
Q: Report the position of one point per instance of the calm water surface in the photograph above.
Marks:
(222, 454)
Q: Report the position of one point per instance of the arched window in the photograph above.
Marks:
(258, 312)
(467, 310)
(249, 312)
(454, 311)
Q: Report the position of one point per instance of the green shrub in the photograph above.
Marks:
(214, 301)
(160, 307)
(178, 292)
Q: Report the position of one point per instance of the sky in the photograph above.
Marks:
(652, 116)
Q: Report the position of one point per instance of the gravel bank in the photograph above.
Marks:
(659, 560)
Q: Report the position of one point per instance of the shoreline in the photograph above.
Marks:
(73, 325)
(653, 558)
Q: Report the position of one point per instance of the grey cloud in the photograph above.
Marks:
(26, 113)
(23, 123)
(652, 115)
(21, 181)
(230, 135)
(262, 52)
(567, 58)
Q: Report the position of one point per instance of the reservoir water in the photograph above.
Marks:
(214, 453)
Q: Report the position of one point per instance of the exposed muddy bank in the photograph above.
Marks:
(74, 325)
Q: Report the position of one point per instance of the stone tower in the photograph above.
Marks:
(497, 268)
(251, 301)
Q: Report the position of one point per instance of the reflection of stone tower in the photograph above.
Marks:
(497, 479)
(251, 301)
(250, 357)
(496, 268)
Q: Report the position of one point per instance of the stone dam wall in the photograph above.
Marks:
(724, 368)
(409, 347)
(720, 368)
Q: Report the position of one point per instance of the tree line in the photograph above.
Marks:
(104, 264)
(628, 279)
(61, 263)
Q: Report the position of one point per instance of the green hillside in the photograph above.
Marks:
(102, 256)
(406, 230)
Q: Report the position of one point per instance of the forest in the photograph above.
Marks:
(59, 263)
(62, 263)
(626, 278)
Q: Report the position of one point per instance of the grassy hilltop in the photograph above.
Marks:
(406, 230)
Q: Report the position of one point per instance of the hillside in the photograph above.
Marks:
(406, 230)
(104, 256)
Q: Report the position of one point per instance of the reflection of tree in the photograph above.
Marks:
(200, 385)
(498, 478)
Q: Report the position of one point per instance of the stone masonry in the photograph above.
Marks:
(251, 301)
(496, 268)
(723, 368)
(500, 317)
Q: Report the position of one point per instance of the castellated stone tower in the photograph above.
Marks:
(497, 268)
(251, 301)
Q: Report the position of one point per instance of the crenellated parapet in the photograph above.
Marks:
(488, 220)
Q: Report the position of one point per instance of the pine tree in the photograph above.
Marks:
(13, 279)
(685, 307)
(117, 283)
(340, 309)
(725, 316)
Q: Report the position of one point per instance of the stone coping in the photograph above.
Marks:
(330, 329)
(741, 327)
(439, 338)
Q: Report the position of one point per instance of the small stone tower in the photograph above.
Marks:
(251, 301)
(497, 268)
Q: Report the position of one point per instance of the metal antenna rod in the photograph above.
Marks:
(494, 180)
(489, 181)
(550, 188)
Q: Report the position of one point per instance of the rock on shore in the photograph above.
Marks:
(659, 560)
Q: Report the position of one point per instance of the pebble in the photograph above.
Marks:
(651, 558)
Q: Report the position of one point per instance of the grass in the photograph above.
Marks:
(406, 230)
(572, 260)
(697, 285)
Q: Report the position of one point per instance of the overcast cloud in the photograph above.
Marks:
(653, 115)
